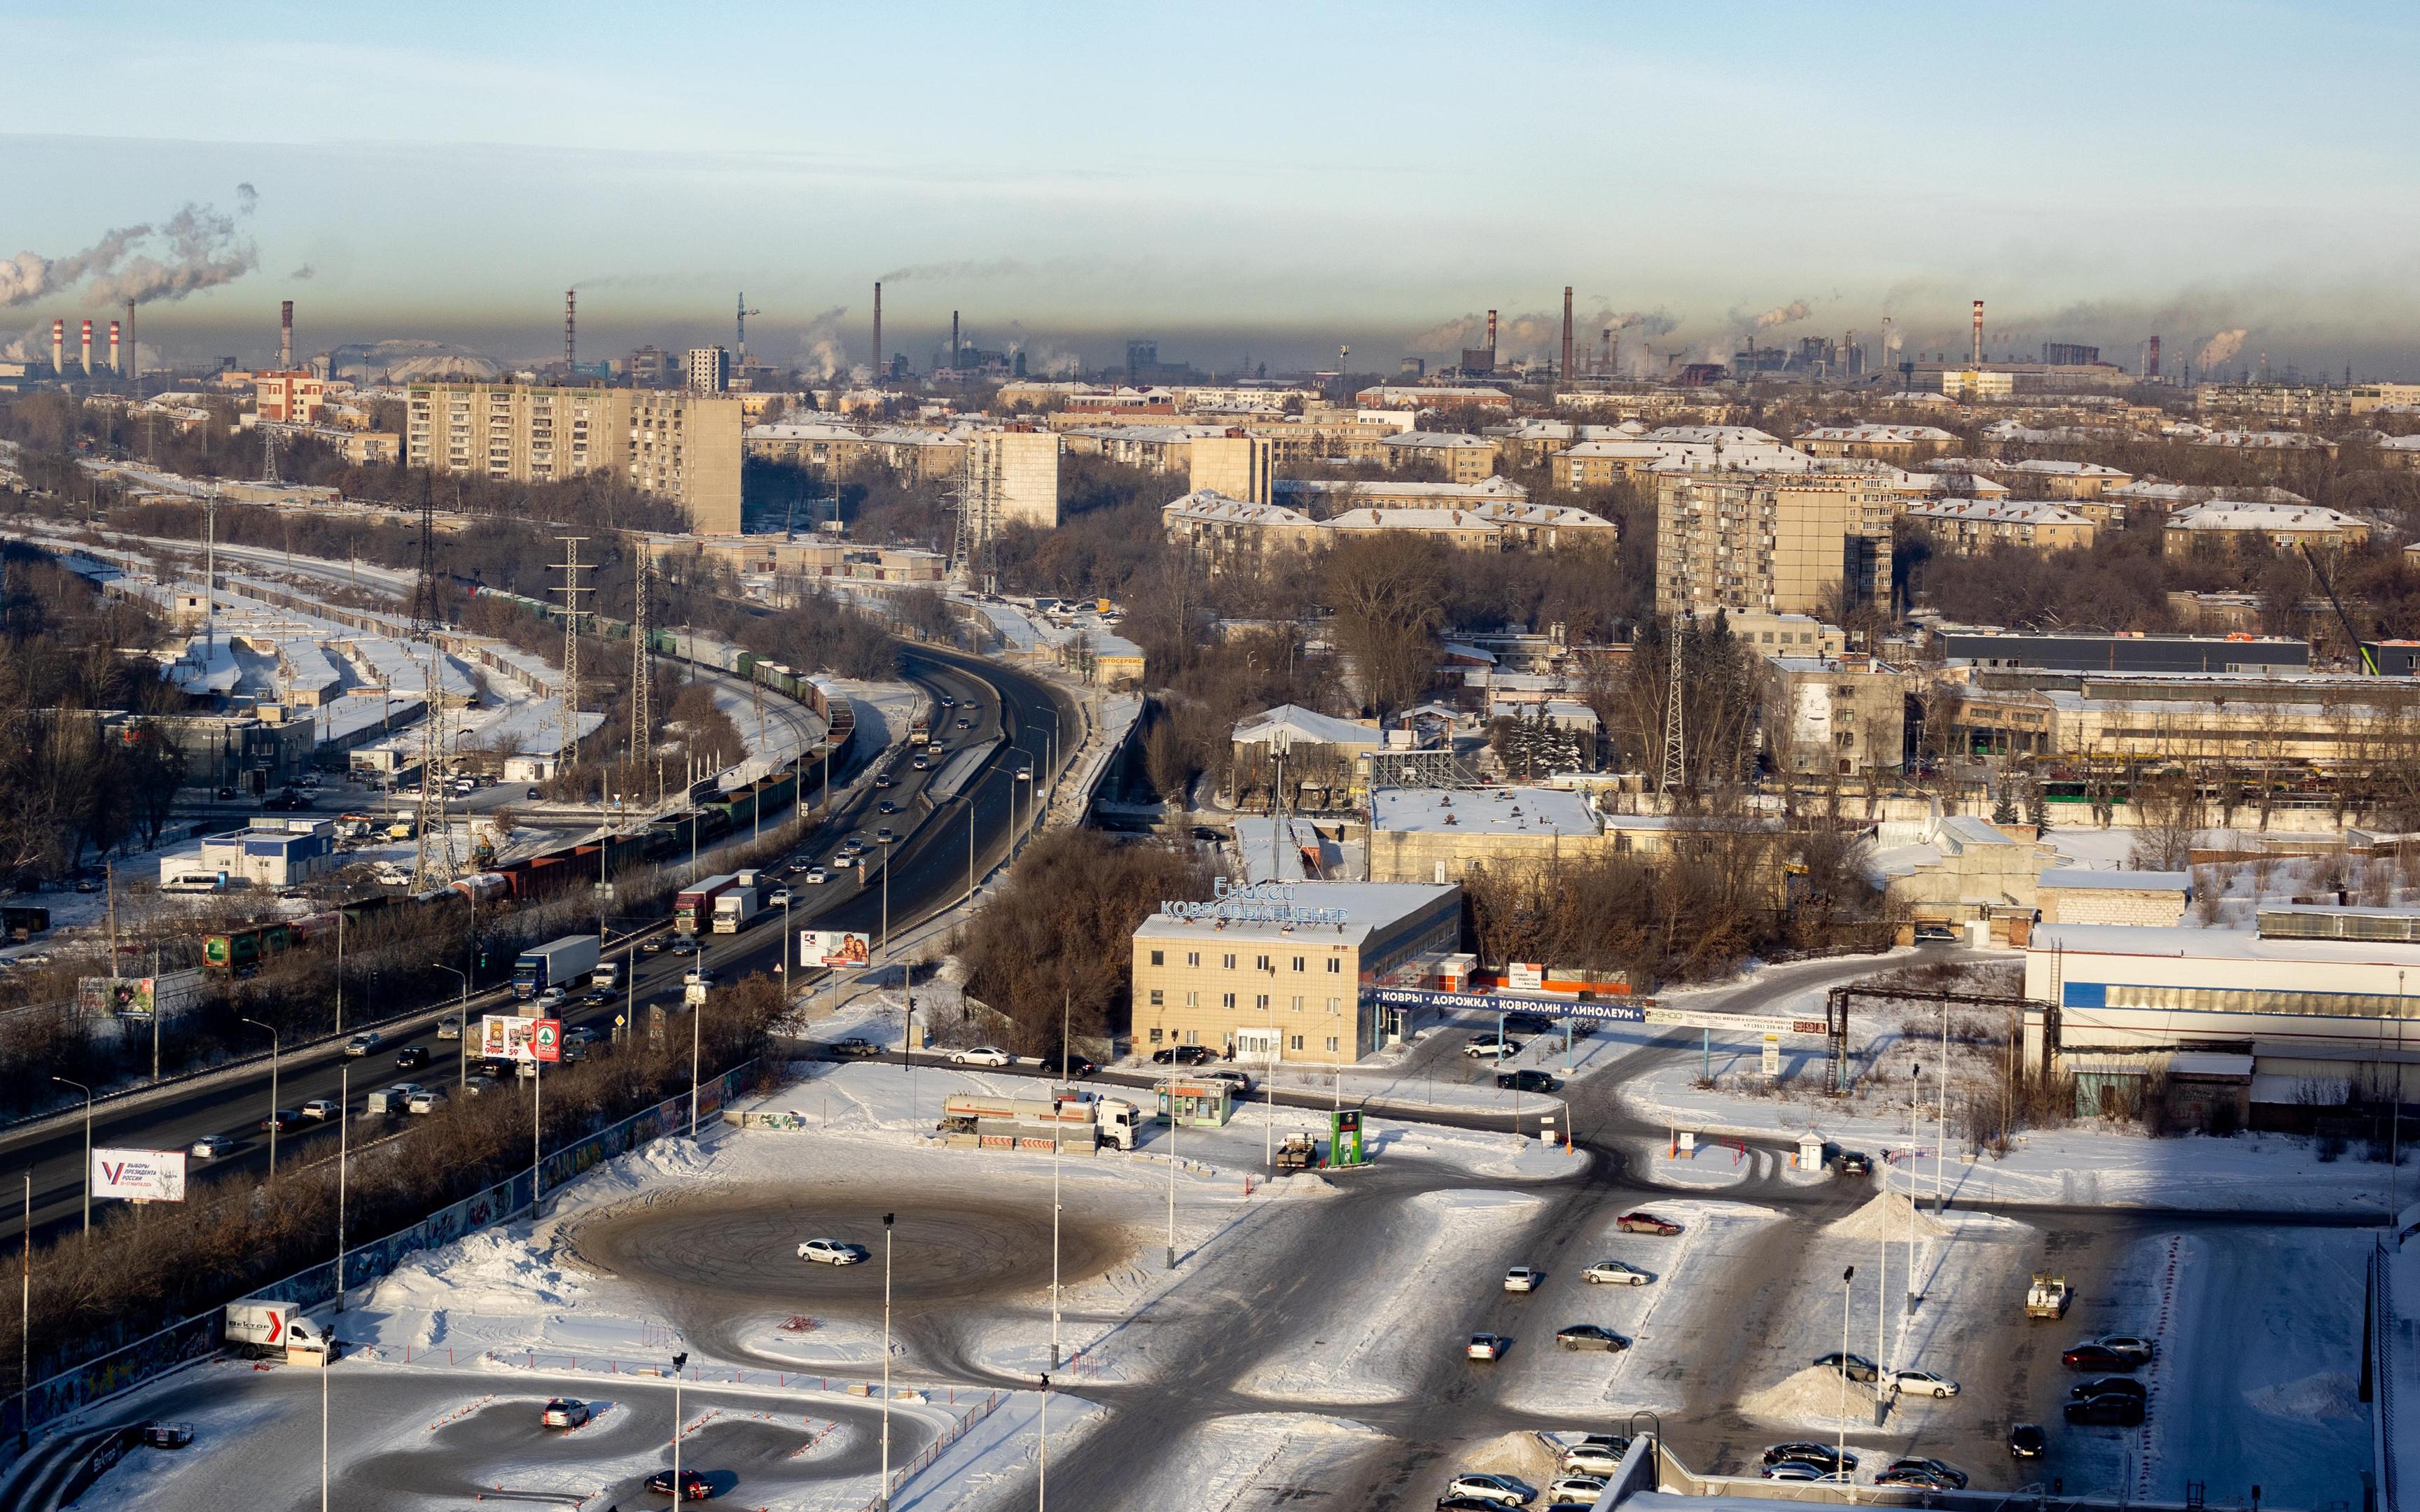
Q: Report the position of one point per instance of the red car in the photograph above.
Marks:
(2098, 1358)
(1646, 1222)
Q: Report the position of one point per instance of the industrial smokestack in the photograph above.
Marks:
(1491, 333)
(877, 332)
(285, 336)
(1978, 332)
(59, 348)
(87, 349)
(2151, 360)
(570, 332)
(133, 348)
(114, 362)
(954, 341)
(1605, 357)
(1565, 371)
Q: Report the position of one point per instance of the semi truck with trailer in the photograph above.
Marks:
(556, 963)
(738, 906)
(693, 907)
(1072, 1120)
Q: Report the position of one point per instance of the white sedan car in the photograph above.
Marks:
(1523, 1278)
(1615, 1273)
(1502, 1490)
(1575, 1489)
(982, 1054)
(830, 1252)
(1487, 1347)
(1924, 1384)
(212, 1147)
(816, 877)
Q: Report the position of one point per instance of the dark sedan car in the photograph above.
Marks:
(2097, 1357)
(1077, 1066)
(281, 1120)
(2110, 1386)
(1856, 1367)
(1183, 1054)
(1810, 1454)
(2027, 1441)
(2109, 1411)
(694, 1486)
(1527, 1080)
(412, 1056)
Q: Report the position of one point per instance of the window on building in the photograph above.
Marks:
(1335, 1005)
(1335, 966)
(1192, 1037)
(1193, 958)
(1261, 1003)
(1332, 1043)
(1156, 997)
(1227, 1000)
(1295, 1044)
(1157, 958)
(1298, 1002)
(1298, 962)
(1154, 1034)
(1228, 961)
(1193, 999)
(1260, 964)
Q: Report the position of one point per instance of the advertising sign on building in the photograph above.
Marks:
(139, 1175)
(835, 948)
(546, 1040)
(1525, 977)
(1344, 1138)
(1772, 1054)
(507, 1036)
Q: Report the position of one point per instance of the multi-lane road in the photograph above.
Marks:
(1015, 721)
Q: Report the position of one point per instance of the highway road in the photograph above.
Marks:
(929, 871)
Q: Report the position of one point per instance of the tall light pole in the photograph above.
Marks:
(463, 1041)
(26, 1317)
(1840, 1453)
(88, 1150)
(1058, 1137)
(883, 1499)
(328, 1360)
(885, 902)
(696, 1042)
(678, 1361)
(1167, 1090)
(272, 1093)
(1042, 1496)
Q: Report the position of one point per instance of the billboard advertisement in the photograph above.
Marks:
(835, 948)
(546, 1040)
(507, 1036)
(141, 1175)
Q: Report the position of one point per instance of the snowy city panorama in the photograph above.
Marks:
(864, 760)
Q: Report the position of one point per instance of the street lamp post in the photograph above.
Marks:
(1167, 1090)
(1840, 1453)
(678, 1361)
(88, 1150)
(883, 1499)
(272, 1093)
(463, 1041)
(1042, 1497)
(328, 1360)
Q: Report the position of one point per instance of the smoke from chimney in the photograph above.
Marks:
(114, 362)
(285, 336)
(1565, 371)
(1978, 332)
(878, 330)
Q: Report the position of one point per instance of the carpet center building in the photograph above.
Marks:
(1276, 971)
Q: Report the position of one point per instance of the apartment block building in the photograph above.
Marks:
(294, 398)
(1236, 464)
(1782, 542)
(1966, 527)
(679, 446)
(1011, 477)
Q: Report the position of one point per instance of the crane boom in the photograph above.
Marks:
(2369, 661)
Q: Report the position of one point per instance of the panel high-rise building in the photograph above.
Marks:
(680, 446)
(708, 369)
(1783, 543)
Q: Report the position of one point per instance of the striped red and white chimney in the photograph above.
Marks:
(87, 348)
(113, 348)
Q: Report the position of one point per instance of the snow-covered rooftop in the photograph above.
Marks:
(1526, 810)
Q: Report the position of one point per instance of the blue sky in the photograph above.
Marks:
(1242, 178)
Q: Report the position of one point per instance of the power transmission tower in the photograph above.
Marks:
(433, 858)
(427, 618)
(969, 494)
(643, 682)
(569, 567)
(1676, 748)
(269, 456)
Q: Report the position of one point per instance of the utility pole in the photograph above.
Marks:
(426, 617)
(433, 856)
(642, 689)
(569, 567)
(1676, 751)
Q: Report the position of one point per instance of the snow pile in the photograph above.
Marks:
(1527, 1456)
(1888, 1217)
(492, 1273)
(1813, 1395)
(1247, 1458)
(2330, 1396)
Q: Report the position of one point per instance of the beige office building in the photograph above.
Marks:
(1276, 972)
(1236, 464)
(1783, 543)
(1011, 476)
(678, 446)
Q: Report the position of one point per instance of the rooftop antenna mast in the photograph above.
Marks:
(432, 863)
(642, 688)
(569, 567)
(426, 617)
(1676, 749)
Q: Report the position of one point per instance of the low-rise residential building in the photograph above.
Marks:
(1223, 531)
(1393, 396)
(1333, 496)
(2055, 478)
(1460, 459)
(1885, 444)
(1276, 972)
(1965, 527)
(1461, 529)
(2285, 526)
(1841, 715)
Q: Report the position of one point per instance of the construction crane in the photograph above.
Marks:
(2361, 648)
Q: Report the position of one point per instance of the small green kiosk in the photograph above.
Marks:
(1204, 1103)
(1345, 1148)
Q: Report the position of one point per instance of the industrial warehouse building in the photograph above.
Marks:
(1275, 972)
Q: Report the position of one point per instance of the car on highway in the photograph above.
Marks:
(279, 1120)
(398, 1098)
(552, 998)
(167, 1435)
(412, 1057)
(921, 764)
(1502, 1490)
(1647, 1222)
(2109, 1386)
(1527, 1080)
(817, 876)
(2097, 1357)
(1616, 1273)
(1856, 1367)
(597, 994)
(2110, 1411)
(1584, 1489)
(854, 1048)
(428, 1100)
(362, 1045)
(1923, 1383)
(831, 1252)
(1856, 1162)
(563, 1412)
(966, 724)
(1938, 1476)
(884, 836)
(780, 898)
(1076, 1067)
(449, 1028)
(2137, 1349)
(1590, 1337)
(210, 1146)
(684, 945)
(1598, 1454)
(1487, 1347)
(948, 703)
(1490, 1046)
(886, 806)
(693, 1487)
(1183, 1054)
(1240, 1081)
(1523, 1278)
(697, 976)
(882, 780)
(1822, 1457)
(320, 1108)
(2027, 1441)
(653, 946)
(982, 1054)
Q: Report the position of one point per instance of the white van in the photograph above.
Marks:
(192, 882)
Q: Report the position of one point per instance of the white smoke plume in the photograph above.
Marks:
(303, 274)
(2220, 348)
(202, 249)
(824, 354)
(1782, 314)
(1656, 323)
(994, 268)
